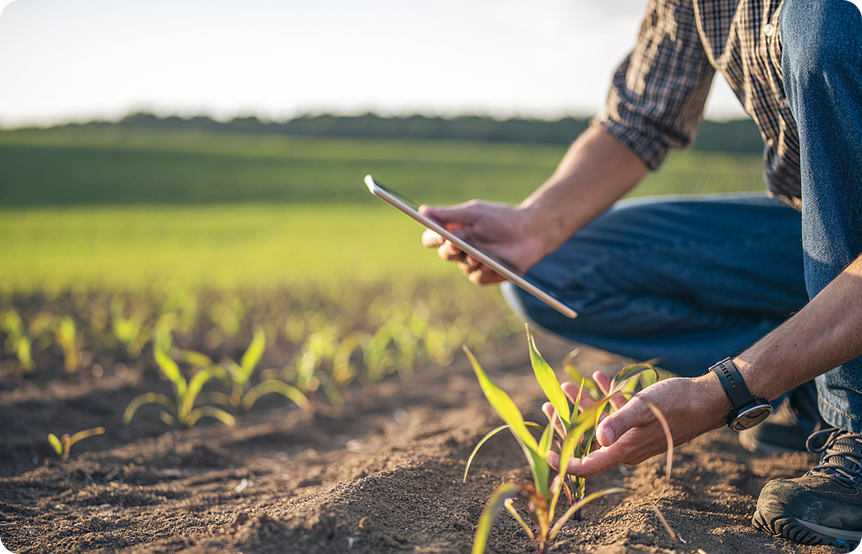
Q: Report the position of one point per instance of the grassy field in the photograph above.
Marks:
(212, 246)
(105, 166)
(115, 208)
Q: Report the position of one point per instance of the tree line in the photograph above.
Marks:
(727, 136)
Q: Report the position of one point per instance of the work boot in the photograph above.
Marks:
(823, 506)
(789, 426)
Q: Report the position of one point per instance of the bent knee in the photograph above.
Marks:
(820, 36)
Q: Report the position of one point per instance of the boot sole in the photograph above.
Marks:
(772, 519)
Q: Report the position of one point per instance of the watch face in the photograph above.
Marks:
(749, 417)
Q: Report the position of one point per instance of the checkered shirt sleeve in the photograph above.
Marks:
(658, 93)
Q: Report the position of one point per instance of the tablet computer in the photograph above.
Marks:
(410, 208)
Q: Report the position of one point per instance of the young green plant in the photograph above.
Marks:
(242, 396)
(180, 410)
(64, 443)
(325, 361)
(577, 430)
(132, 331)
(17, 342)
(67, 338)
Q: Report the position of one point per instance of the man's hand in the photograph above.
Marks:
(633, 434)
(500, 230)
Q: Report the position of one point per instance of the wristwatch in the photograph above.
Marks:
(747, 410)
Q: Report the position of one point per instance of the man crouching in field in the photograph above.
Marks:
(692, 280)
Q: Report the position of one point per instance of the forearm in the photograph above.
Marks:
(596, 171)
(823, 335)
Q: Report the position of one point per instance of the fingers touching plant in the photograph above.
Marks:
(576, 429)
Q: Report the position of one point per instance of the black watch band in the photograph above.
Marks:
(746, 410)
(734, 385)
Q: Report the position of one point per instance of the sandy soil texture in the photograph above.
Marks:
(380, 475)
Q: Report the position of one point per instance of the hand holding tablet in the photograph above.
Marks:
(503, 269)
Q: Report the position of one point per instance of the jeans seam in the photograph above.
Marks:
(842, 414)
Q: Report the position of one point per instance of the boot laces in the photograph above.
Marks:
(842, 455)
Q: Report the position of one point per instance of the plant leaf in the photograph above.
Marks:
(195, 358)
(578, 505)
(332, 394)
(81, 435)
(55, 444)
(168, 418)
(547, 438)
(209, 411)
(195, 385)
(580, 426)
(492, 508)
(342, 370)
(666, 428)
(214, 397)
(148, 398)
(509, 412)
(665, 523)
(254, 352)
(485, 439)
(478, 446)
(171, 371)
(275, 386)
(548, 381)
(627, 373)
(511, 509)
(501, 402)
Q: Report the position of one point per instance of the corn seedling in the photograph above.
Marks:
(577, 430)
(41, 330)
(325, 361)
(227, 315)
(343, 370)
(64, 443)
(66, 335)
(163, 338)
(184, 304)
(441, 343)
(243, 397)
(377, 356)
(409, 335)
(47, 328)
(131, 331)
(180, 410)
(17, 341)
(318, 349)
(397, 345)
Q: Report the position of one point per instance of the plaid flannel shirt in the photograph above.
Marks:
(658, 93)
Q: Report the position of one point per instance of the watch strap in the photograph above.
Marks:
(733, 384)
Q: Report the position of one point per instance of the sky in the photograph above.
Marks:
(79, 60)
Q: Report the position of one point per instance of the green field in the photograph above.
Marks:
(124, 209)
(110, 166)
(213, 246)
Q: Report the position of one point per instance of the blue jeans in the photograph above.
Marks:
(692, 280)
(687, 280)
(822, 68)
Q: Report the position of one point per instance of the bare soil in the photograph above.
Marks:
(380, 475)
